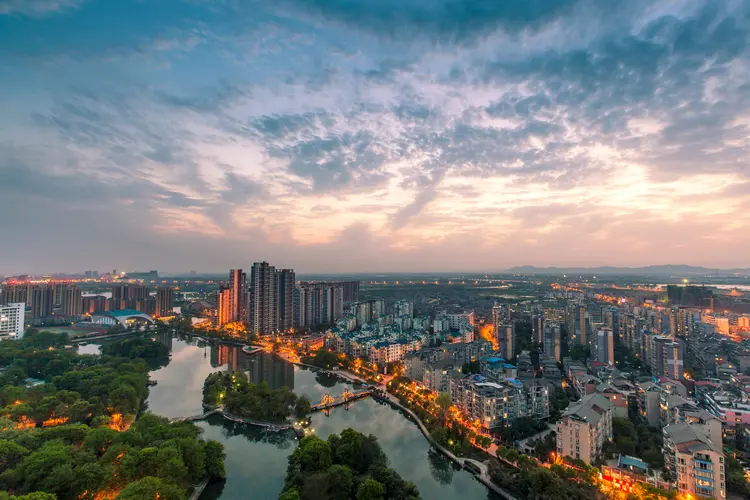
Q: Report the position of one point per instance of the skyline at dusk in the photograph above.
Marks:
(403, 136)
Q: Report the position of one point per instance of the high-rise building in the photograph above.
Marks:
(126, 296)
(71, 301)
(264, 306)
(41, 302)
(537, 327)
(224, 306)
(673, 359)
(94, 304)
(500, 314)
(58, 292)
(506, 340)
(16, 293)
(552, 341)
(322, 303)
(605, 346)
(582, 326)
(238, 295)
(611, 319)
(286, 285)
(164, 301)
(11, 321)
(403, 308)
(351, 290)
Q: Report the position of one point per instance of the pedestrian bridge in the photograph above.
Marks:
(347, 398)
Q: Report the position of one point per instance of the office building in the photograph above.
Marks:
(286, 286)
(584, 428)
(71, 301)
(11, 321)
(264, 305)
(41, 302)
(605, 346)
(164, 301)
(694, 458)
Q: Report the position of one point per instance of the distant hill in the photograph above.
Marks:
(665, 270)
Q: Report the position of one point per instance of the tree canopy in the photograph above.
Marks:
(349, 466)
(257, 401)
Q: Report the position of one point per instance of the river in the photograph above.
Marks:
(256, 460)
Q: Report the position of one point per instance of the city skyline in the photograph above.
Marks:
(387, 136)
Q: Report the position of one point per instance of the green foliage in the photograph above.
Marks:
(79, 455)
(136, 348)
(324, 359)
(346, 466)
(151, 487)
(370, 490)
(736, 481)
(471, 367)
(69, 460)
(580, 352)
(302, 407)
(245, 399)
(521, 428)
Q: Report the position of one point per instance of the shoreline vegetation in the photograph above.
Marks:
(346, 466)
(68, 427)
(242, 398)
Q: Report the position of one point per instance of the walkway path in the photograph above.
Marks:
(271, 426)
(483, 477)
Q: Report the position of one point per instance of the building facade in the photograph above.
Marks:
(11, 321)
(584, 428)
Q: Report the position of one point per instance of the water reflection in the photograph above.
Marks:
(256, 460)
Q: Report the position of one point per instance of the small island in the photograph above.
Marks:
(242, 398)
(347, 466)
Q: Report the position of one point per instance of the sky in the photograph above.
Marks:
(373, 135)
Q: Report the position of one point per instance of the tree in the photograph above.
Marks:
(214, 456)
(340, 482)
(151, 487)
(370, 490)
(444, 402)
(303, 407)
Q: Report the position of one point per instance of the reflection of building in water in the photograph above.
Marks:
(232, 357)
(164, 338)
(264, 367)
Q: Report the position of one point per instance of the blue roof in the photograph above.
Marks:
(633, 462)
(125, 312)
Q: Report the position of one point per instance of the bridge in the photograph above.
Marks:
(347, 397)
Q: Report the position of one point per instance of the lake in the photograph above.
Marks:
(256, 460)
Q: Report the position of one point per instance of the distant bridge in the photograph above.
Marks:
(347, 397)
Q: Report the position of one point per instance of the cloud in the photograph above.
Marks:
(309, 130)
(37, 8)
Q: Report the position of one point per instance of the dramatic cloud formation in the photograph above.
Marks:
(405, 135)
